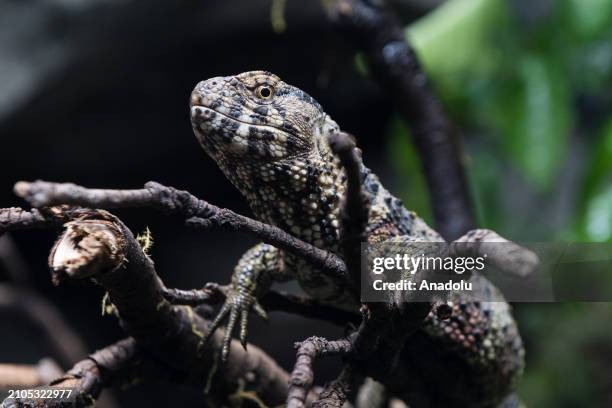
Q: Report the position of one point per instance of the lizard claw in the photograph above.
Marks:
(237, 306)
(244, 321)
(216, 323)
(261, 312)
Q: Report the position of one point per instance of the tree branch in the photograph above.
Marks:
(28, 376)
(302, 376)
(97, 245)
(17, 218)
(272, 300)
(505, 255)
(198, 213)
(119, 363)
(395, 66)
(355, 205)
(307, 307)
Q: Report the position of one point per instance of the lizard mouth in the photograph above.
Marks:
(222, 132)
(202, 114)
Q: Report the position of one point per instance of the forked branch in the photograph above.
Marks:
(96, 245)
(198, 214)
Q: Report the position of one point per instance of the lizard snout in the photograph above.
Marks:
(206, 92)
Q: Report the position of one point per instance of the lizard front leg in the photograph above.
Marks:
(257, 269)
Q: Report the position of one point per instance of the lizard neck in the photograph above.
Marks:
(300, 195)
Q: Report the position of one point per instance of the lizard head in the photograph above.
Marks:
(256, 115)
(269, 138)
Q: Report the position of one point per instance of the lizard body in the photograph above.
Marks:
(269, 139)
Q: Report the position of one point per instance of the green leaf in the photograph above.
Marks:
(596, 224)
(455, 40)
(590, 17)
(598, 219)
(536, 118)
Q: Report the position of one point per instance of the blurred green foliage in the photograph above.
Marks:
(511, 76)
(529, 84)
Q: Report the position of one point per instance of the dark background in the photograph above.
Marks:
(96, 91)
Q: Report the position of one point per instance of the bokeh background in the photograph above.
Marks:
(95, 92)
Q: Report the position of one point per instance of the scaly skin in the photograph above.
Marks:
(269, 138)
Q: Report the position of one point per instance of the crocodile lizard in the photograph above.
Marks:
(269, 139)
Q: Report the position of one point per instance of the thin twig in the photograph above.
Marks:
(302, 376)
(355, 205)
(272, 300)
(87, 378)
(307, 307)
(376, 316)
(193, 297)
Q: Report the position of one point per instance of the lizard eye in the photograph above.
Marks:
(264, 92)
